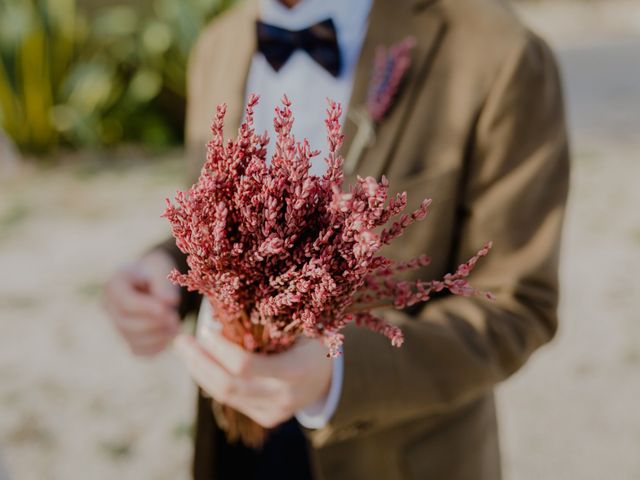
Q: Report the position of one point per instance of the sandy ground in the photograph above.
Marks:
(75, 405)
(73, 402)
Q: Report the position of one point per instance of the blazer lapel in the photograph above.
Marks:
(390, 21)
(232, 89)
(218, 81)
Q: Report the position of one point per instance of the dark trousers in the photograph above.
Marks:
(284, 456)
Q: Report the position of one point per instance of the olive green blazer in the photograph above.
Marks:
(478, 125)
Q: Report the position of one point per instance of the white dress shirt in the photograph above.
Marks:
(308, 85)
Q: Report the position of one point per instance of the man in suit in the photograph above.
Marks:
(478, 125)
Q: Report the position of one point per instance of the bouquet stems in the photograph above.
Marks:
(238, 427)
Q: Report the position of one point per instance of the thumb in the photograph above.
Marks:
(158, 265)
(183, 345)
(162, 288)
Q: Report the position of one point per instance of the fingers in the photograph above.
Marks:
(145, 336)
(147, 322)
(149, 345)
(126, 293)
(148, 325)
(234, 358)
(165, 291)
(285, 365)
(157, 266)
(267, 399)
(141, 324)
(219, 383)
(266, 416)
(206, 372)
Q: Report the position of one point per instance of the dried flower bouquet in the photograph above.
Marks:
(279, 252)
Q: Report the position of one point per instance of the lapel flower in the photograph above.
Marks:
(390, 67)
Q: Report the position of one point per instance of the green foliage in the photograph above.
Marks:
(70, 79)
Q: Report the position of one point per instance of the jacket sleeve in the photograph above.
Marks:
(195, 149)
(456, 349)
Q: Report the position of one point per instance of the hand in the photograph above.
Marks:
(267, 388)
(142, 303)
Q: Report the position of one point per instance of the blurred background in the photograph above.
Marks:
(91, 118)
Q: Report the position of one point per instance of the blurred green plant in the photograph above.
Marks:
(79, 80)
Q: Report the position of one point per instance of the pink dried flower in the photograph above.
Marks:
(279, 252)
(391, 65)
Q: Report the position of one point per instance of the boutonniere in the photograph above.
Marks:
(390, 66)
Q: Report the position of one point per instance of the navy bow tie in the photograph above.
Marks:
(319, 41)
